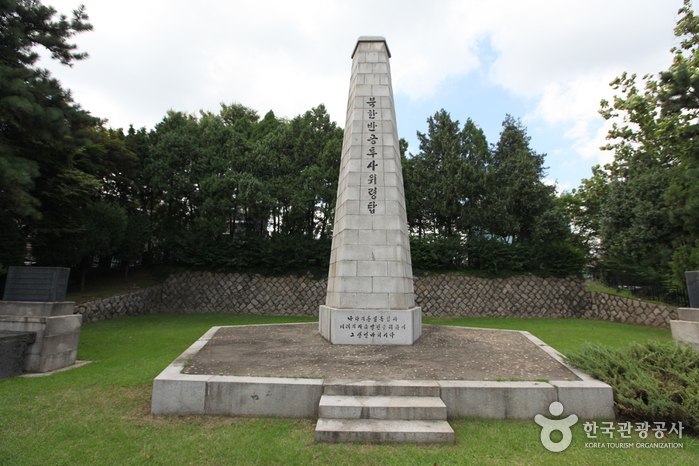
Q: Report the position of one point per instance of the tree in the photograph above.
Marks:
(107, 158)
(306, 162)
(649, 218)
(132, 243)
(445, 181)
(41, 128)
(516, 188)
(584, 207)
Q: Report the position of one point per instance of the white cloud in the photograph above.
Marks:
(150, 56)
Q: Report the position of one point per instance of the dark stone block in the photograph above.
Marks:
(37, 284)
(13, 346)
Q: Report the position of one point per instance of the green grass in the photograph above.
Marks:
(99, 414)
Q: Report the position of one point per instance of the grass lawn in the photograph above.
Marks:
(100, 413)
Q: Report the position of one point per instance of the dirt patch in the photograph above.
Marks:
(441, 353)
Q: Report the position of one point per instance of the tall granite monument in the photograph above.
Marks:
(370, 299)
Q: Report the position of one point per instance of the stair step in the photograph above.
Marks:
(382, 407)
(382, 388)
(383, 431)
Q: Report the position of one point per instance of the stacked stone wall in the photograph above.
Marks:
(519, 296)
(613, 308)
(136, 303)
(192, 292)
(444, 295)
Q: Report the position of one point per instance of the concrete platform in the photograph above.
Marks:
(294, 366)
(383, 431)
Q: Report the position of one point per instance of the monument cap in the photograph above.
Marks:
(371, 39)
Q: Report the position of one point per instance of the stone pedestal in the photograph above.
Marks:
(686, 329)
(57, 332)
(370, 298)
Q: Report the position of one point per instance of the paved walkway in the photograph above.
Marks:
(441, 353)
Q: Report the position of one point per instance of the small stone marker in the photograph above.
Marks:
(36, 284)
(370, 298)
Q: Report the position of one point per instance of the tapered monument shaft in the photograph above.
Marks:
(370, 297)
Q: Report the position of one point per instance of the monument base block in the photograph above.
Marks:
(57, 332)
(370, 326)
(686, 329)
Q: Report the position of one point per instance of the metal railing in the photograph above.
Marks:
(650, 290)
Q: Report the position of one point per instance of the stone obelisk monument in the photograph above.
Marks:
(370, 298)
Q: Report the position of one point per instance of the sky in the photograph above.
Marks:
(546, 62)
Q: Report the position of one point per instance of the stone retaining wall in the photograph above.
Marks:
(631, 311)
(136, 303)
(439, 296)
(243, 294)
(519, 296)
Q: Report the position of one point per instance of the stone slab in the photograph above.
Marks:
(497, 400)
(590, 399)
(78, 363)
(371, 327)
(178, 393)
(686, 332)
(383, 431)
(272, 396)
(688, 314)
(36, 309)
(175, 392)
(382, 407)
(347, 387)
(57, 340)
(45, 284)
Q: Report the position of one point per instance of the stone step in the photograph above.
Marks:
(383, 431)
(382, 407)
(382, 388)
(688, 314)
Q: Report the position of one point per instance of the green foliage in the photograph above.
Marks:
(494, 257)
(652, 381)
(13, 244)
(445, 183)
(640, 214)
(584, 208)
(137, 234)
(41, 129)
(232, 191)
(277, 254)
(684, 259)
(436, 254)
(485, 211)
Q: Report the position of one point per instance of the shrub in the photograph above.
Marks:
(652, 381)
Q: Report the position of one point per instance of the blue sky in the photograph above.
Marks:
(547, 62)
